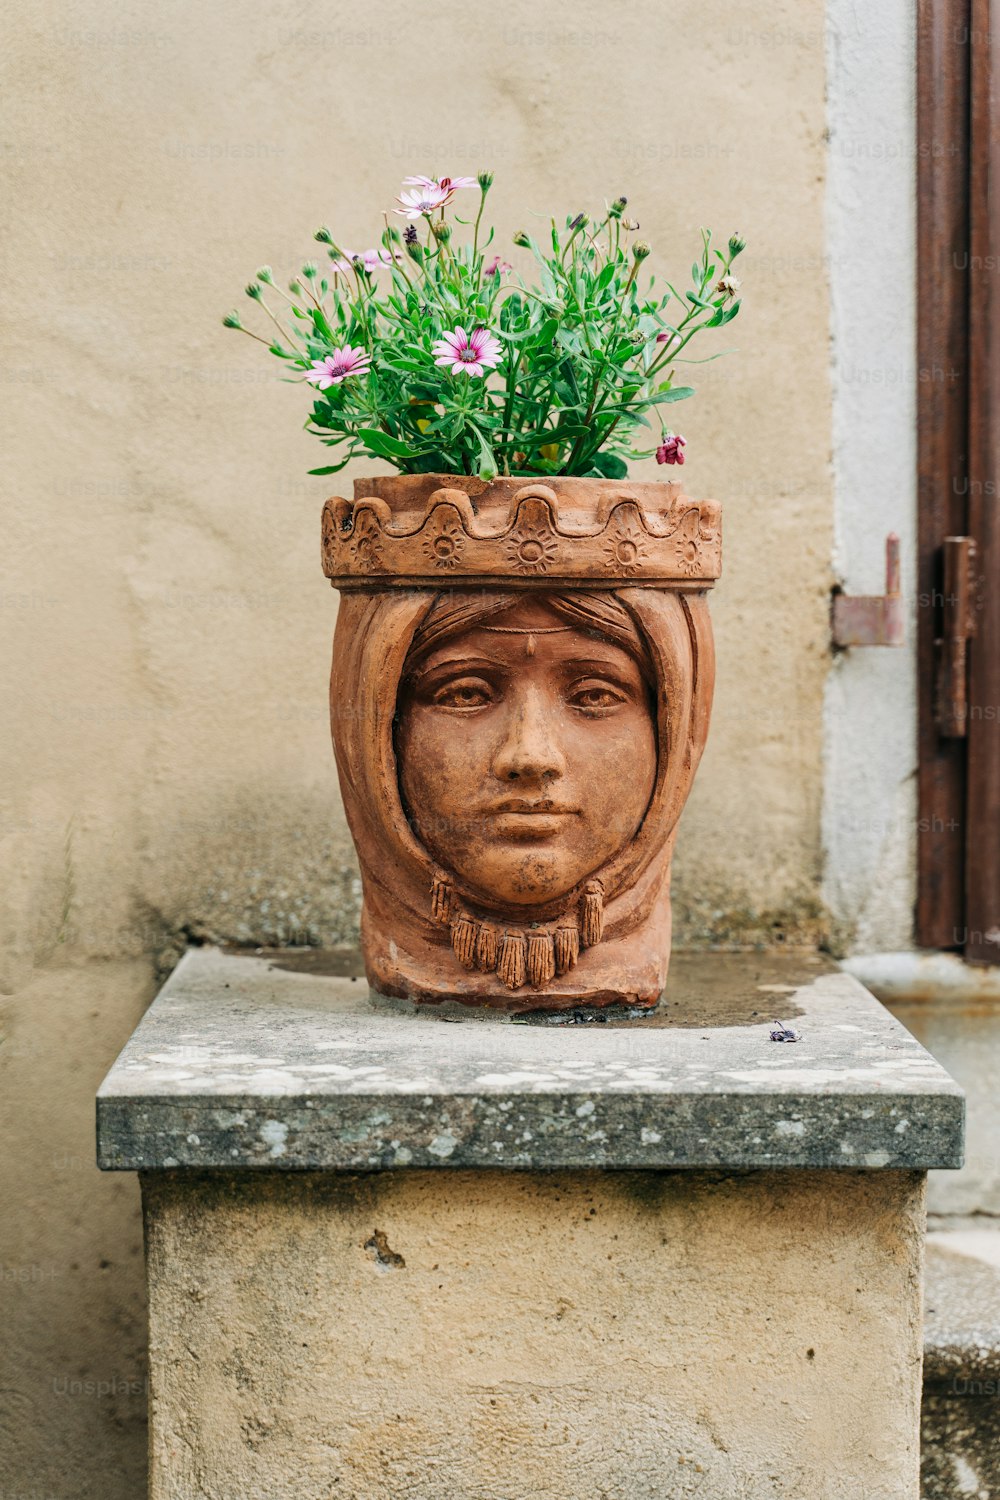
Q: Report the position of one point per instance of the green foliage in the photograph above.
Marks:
(588, 345)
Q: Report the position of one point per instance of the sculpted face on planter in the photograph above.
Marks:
(520, 694)
(527, 752)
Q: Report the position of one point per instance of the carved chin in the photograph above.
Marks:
(523, 874)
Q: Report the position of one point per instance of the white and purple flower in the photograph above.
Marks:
(449, 184)
(468, 353)
(427, 194)
(418, 201)
(372, 260)
(338, 366)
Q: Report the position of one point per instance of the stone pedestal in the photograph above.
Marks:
(702, 1279)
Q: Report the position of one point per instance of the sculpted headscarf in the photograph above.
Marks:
(424, 936)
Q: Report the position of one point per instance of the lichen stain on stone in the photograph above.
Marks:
(274, 1134)
(381, 1252)
(443, 1145)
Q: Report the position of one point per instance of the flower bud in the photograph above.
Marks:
(253, 290)
(441, 232)
(295, 287)
(324, 236)
(232, 320)
(671, 450)
(579, 222)
(309, 270)
(640, 250)
(264, 275)
(485, 180)
(522, 237)
(737, 244)
(618, 207)
(414, 250)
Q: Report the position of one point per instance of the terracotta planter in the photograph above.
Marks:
(522, 679)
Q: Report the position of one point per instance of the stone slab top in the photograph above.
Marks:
(283, 1059)
(962, 1309)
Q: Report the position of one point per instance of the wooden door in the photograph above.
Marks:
(958, 338)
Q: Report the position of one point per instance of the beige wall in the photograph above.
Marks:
(167, 768)
(671, 1336)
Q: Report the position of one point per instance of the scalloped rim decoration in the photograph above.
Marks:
(365, 547)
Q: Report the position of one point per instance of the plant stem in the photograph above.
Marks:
(475, 232)
(279, 326)
(240, 329)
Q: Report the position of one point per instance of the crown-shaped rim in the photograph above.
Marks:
(413, 531)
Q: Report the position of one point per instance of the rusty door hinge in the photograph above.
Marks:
(959, 626)
(872, 619)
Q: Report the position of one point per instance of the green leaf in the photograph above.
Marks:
(722, 315)
(610, 465)
(570, 339)
(333, 468)
(566, 432)
(384, 445)
(606, 277)
(320, 323)
(661, 398)
(487, 460)
(545, 333)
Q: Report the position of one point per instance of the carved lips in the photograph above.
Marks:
(530, 819)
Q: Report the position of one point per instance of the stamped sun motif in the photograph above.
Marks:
(531, 549)
(687, 555)
(624, 551)
(366, 548)
(445, 546)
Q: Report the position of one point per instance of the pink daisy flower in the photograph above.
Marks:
(450, 184)
(497, 267)
(336, 367)
(469, 353)
(422, 200)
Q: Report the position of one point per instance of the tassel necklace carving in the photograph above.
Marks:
(532, 954)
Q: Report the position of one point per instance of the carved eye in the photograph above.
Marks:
(463, 692)
(596, 694)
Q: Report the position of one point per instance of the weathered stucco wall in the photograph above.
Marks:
(168, 622)
(167, 768)
(870, 790)
(486, 1335)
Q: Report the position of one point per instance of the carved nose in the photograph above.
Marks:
(530, 750)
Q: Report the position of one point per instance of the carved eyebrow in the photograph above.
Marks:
(459, 664)
(601, 663)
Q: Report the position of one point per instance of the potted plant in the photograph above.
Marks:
(523, 658)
